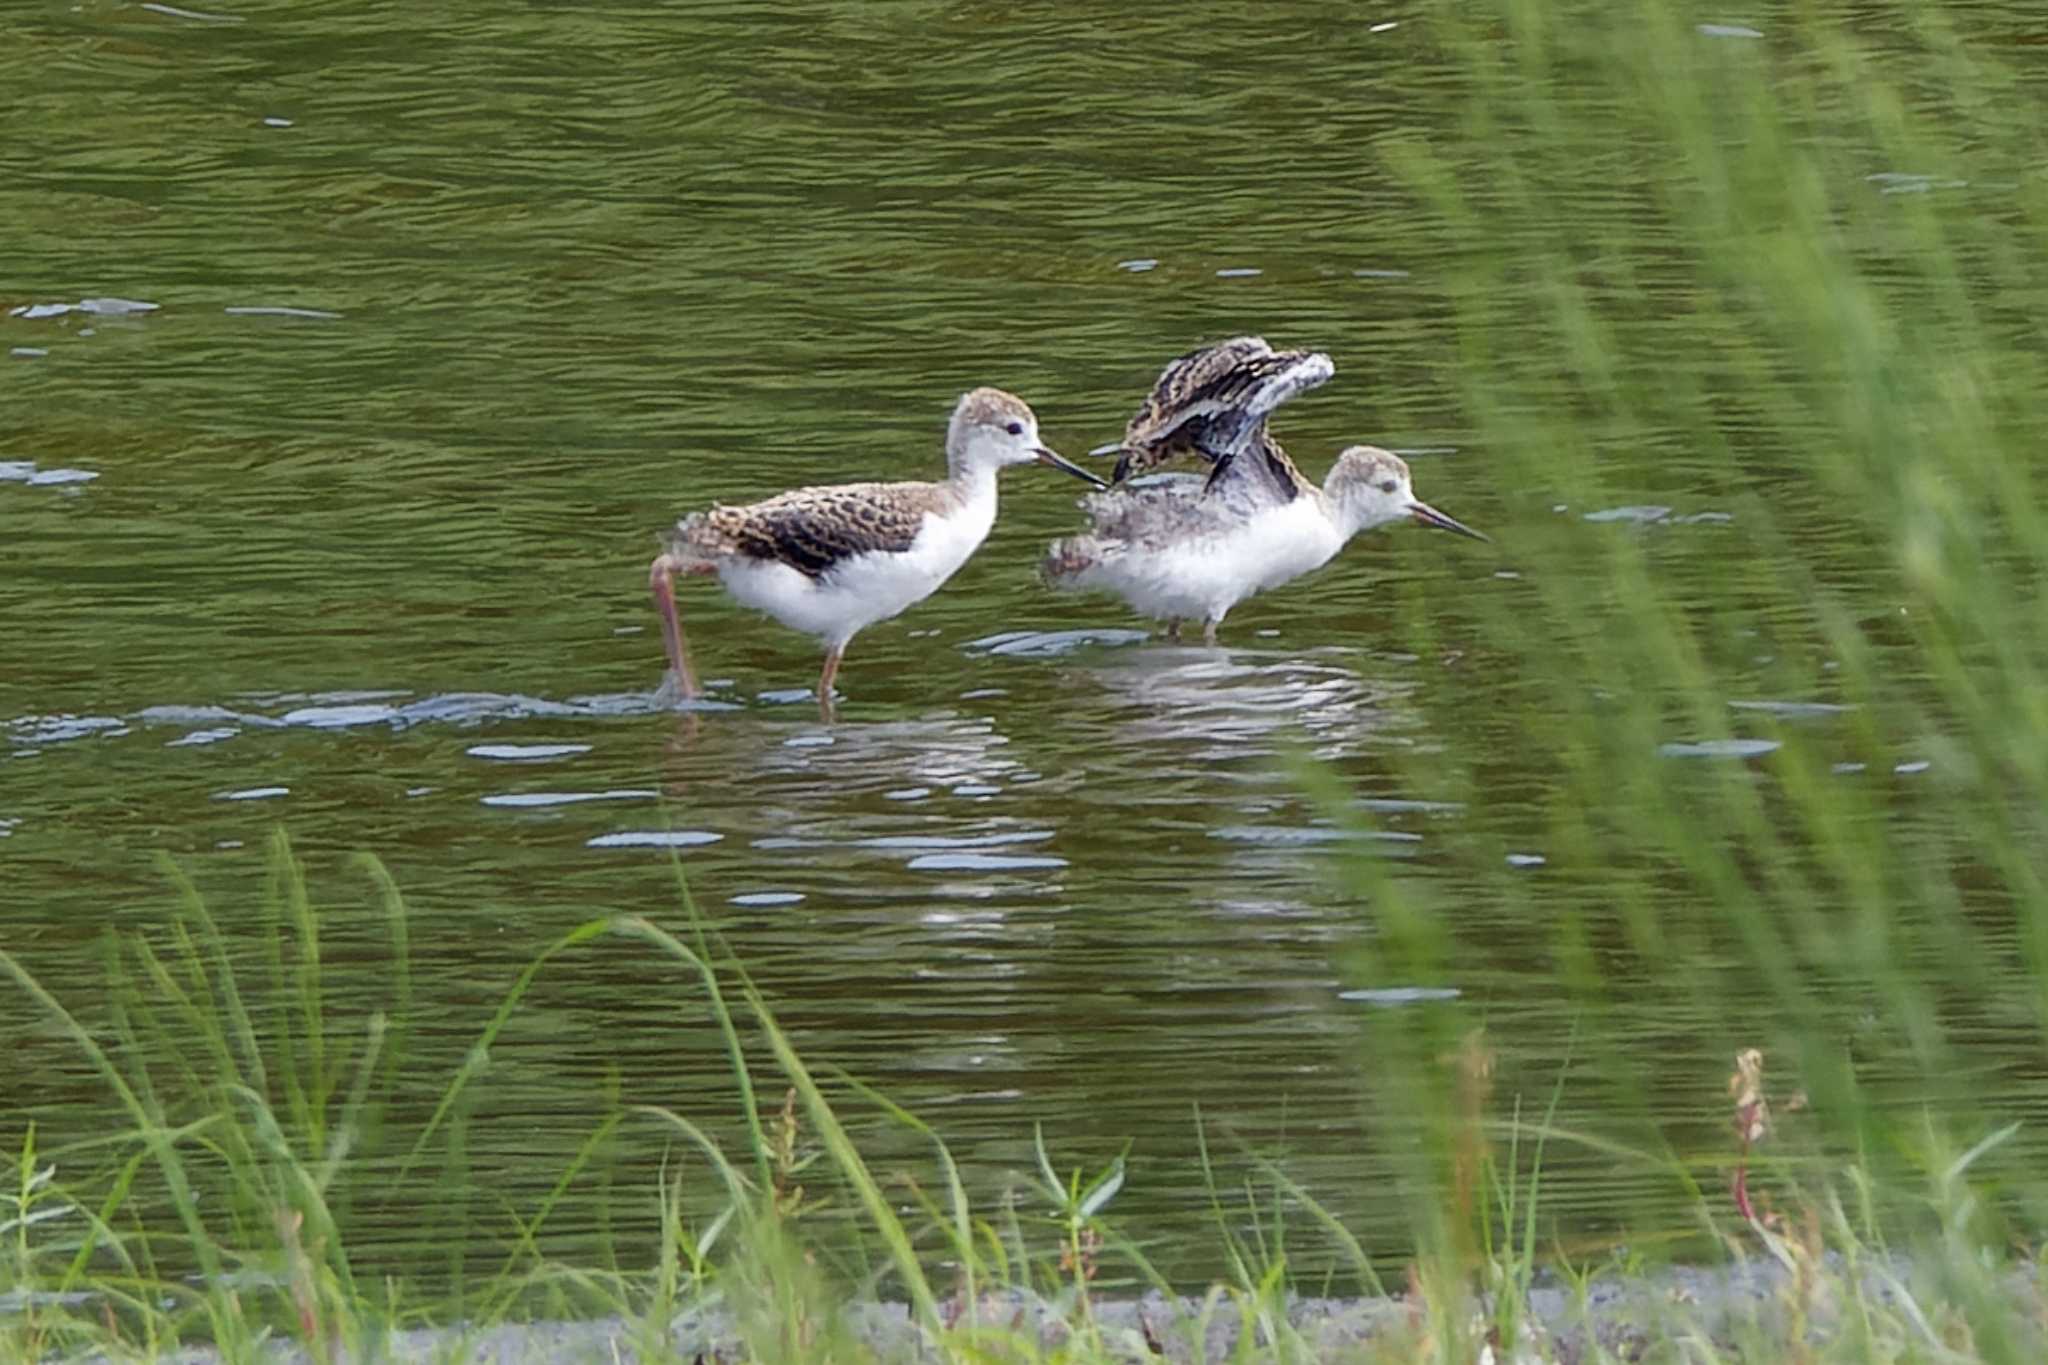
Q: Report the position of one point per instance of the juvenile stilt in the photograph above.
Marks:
(834, 559)
(1193, 548)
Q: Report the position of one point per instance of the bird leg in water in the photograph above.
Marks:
(832, 658)
(661, 581)
(1173, 629)
(1209, 630)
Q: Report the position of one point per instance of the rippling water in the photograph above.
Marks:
(362, 349)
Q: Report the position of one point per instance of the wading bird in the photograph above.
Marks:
(1186, 548)
(831, 560)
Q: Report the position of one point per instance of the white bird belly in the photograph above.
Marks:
(1202, 577)
(861, 589)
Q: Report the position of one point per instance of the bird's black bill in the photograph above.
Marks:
(1429, 516)
(1056, 461)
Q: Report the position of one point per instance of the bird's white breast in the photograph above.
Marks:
(1202, 576)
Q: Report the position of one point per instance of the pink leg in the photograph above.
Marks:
(661, 580)
(832, 658)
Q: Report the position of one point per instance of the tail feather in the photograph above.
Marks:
(696, 542)
(1066, 560)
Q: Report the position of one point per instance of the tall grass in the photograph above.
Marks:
(1785, 277)
(221, 1214)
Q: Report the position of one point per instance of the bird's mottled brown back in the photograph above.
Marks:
(813, 530)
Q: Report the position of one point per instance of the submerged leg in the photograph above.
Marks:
(1173, 629)
(1209, 629)
(832, 658)
(661, 582)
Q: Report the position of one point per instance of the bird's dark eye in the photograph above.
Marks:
(1388, 485)
(1015, 428)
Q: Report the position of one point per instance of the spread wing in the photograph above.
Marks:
(814, 530)
(1212, 403)
(1190, 390)
(1259, 475)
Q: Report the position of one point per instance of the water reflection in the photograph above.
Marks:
(845, 760)
(1202, 705)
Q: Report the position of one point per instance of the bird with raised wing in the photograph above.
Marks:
(834, 559)
(1187, 548)
(1212, 403)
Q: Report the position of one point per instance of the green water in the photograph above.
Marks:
(575, 271)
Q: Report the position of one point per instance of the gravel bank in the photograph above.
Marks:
(1624, 1313)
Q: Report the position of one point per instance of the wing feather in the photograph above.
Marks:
(814, 530)
(1212, 403)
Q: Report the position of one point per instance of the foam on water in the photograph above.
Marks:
(1020, 836)
(278, 310)
(37, 731)
(1719, 748)
(1793, 709)
(1642, 515)
(1392, 996)
(525, 753)
(1396, 805)
(345, 710)
(982, 862)
(654, 838)
(785, 696)
(1302, 836)
(1044, 644)
(32, 474)
(339, 717)
(531, 800)
(196, 737)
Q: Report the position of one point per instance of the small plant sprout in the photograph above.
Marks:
(1752, 1124)
(1799, 1250)
(1076, 1209)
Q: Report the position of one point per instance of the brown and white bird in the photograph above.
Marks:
(834, 559)
(1185, 548)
